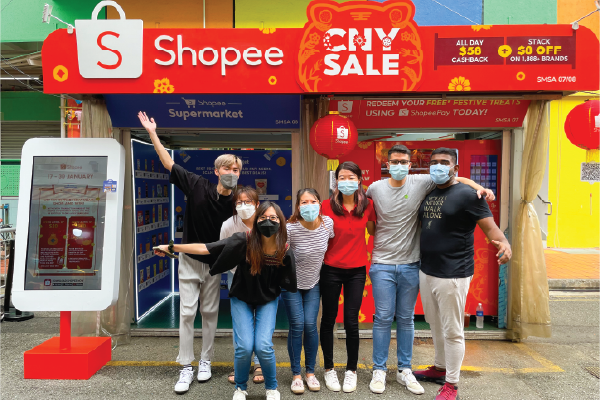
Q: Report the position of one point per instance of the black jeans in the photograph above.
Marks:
(331, 281)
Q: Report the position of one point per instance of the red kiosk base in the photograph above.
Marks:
(67, 357)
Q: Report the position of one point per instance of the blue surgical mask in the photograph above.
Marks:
(348, 187)
(309, 212)
(440, 173)
(399, 171)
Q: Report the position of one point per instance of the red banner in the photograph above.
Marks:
(419, 113)
(80, 252)
(51, 253)
(353, 47)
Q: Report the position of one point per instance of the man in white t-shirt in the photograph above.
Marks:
(394, 272)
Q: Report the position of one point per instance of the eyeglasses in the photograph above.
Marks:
(397, 162)
(443, 162)
(272, 218)
(246, 202)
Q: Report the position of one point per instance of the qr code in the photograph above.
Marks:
(589, 172)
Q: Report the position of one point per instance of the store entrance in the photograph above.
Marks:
(480, 159)
(266, 169)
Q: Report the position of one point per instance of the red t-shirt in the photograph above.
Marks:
(348, 248)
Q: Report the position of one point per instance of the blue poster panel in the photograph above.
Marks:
(153, 220)
(206, 111)
(267, 171)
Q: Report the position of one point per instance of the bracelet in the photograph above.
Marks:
(170, 246)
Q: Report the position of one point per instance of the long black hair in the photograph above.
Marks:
(254, 250)
(360, 198)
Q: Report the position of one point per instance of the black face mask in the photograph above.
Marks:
(268, 228)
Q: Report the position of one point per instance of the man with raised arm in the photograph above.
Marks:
(208, 206)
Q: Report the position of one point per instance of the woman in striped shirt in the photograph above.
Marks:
(308, 236)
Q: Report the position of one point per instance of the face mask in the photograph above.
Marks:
(229, 181)
(440, 173)
(309, 212)
(399, 171)
(245, 211)
(348, 187)
(268, 228)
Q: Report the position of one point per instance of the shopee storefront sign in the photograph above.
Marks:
(353, 47)
(432, 113)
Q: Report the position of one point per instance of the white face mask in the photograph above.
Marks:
(246, 211)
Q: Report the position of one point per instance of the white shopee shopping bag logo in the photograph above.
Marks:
(341, 133)
(110, 48)
(345, 106)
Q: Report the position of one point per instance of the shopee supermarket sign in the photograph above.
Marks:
(353, 47)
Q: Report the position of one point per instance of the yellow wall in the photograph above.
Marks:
(575, 218)
(569, 11)
(177, 14)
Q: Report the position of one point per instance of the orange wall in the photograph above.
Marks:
(569, 11)
(177, 14)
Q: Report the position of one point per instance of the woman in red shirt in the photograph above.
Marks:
(344, 264)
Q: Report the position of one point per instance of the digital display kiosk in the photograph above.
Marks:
(68, 241)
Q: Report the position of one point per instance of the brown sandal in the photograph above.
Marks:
(258, 375)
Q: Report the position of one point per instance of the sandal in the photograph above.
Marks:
(258, 375)
(231, 377)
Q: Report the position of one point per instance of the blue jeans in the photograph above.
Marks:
(302, 308)
(253, 331)
(230, 279)
(395, 289)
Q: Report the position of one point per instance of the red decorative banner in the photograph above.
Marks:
(80, 253)
(51, 253)
(353, 47)
(419, 113)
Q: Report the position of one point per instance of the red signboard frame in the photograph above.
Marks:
(343, 48)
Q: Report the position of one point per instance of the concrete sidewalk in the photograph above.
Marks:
(572, 268)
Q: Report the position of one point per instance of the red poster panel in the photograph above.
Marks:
(80, 254)
(51, 242)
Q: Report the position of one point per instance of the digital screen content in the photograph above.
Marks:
(66, 223)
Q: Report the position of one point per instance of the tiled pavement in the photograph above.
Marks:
(572, 263)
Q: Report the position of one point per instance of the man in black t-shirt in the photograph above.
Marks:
(208, 206)
(449, 215)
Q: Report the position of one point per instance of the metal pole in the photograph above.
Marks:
(65, 338)
(62, 111)
(9, 275)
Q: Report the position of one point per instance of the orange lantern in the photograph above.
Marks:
(582, 125)
(333, 136)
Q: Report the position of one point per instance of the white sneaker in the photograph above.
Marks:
(240, 394)
(332, 380)
(204, 371)
(297, 386)
(273, 395)
(350, 382)
(186, 376)
(378, 381)
(407, 378)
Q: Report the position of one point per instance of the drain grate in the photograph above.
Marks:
(594, 371)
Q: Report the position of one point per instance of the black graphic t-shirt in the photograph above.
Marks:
(206, 209)
(449, 217)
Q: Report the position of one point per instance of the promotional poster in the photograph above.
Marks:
(66, 231)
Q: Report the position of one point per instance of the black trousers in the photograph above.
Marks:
(331, 282)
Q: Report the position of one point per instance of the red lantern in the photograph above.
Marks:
(582, 125)
(333, 136)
